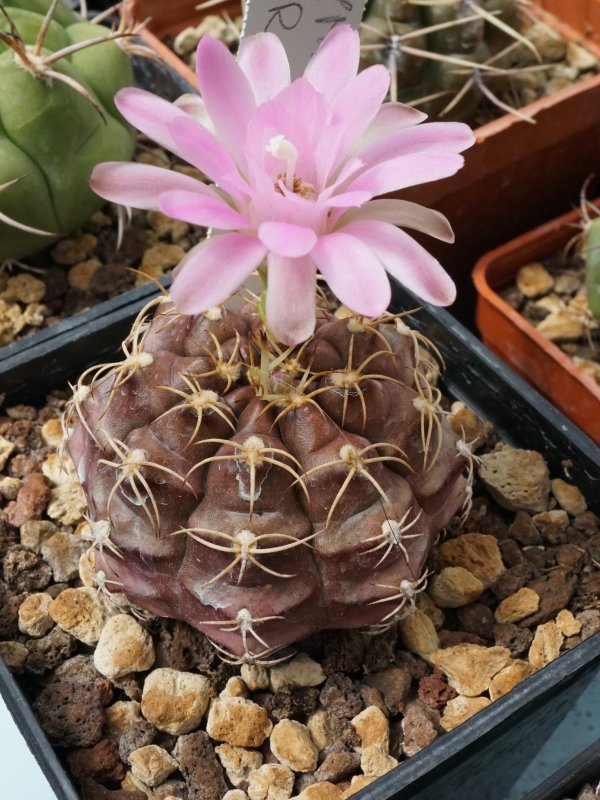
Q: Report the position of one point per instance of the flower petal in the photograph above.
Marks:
(357, 104)
(335, 63)
(287, 239)
(140, 185)
(403, 213)
(201, 149)
(406, 260)
(212, 212)
(290, 302)
(441, 137)
(403, 171)
(353, 272)
(347, 199)
(212, 270)
(390, 118)
(193, 105)
(264, 62)
(150, 114)
(226, 92)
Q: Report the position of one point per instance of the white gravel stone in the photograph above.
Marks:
(300, 671)
(373, 728)
(124, 647)
(271, 782)
(175, 701)
(255, 677)
(238, 762)
(238, 721)
(63, 551)
(292, 745)
(34, 619)
(374, 762)
(152, 764)
(81, 613)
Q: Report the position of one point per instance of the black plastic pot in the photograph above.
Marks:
(154, 76)
(483, 756)
(569, 780)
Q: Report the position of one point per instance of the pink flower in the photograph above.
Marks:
(295, 168)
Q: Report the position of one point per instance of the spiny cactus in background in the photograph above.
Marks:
(450, 57)
(58, 120)
(590, 252)
(264, 493)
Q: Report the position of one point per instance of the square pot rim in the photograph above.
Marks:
(559, 673)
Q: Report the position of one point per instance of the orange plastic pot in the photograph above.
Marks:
(516, 176)
(508, 334)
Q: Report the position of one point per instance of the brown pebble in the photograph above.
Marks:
(420, 727)
(200, 767)
(555, 590)
(435, 691)
(70, 714)
(49, 652)
(100, 762)
(25, 571)
(31, 501)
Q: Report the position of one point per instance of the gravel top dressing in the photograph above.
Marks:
(144, 707)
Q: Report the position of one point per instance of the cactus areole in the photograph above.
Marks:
(261, 486)
(57, 120)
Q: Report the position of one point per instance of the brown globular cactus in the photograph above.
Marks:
(264, 493)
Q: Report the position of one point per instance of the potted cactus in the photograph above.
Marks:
(69, 70)
(528, 351)
(280, 467)
(236, 410)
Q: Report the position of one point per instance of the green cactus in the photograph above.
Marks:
(591, 255)
(451, 57)
(57, 120)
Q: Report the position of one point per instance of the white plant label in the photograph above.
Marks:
(300, 24)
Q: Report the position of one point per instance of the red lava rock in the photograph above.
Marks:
(340, 696)
(435, 691)
(100, 762)
(179, 646)
(511, 553)
(139, 735)
(478, 619)
(416, 666)
(394, 684)
(343, 652)
(199, 766)
(570, 556)
(380, 652)
(170, 789)
(512, 580)
(523, 529)
(9, 612)
(21, 466)
(587, 522)
(9, 536)
(337, 765)
(31, 500)
(373, 697)
(540, 558)
(589, 585)
(94, 791)
(516, 639)
(555, 590)
(292, 702)
(70, 714)
(420, 726)
(50, 651)
(25, 571)
(452, 638)
(593, 547)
